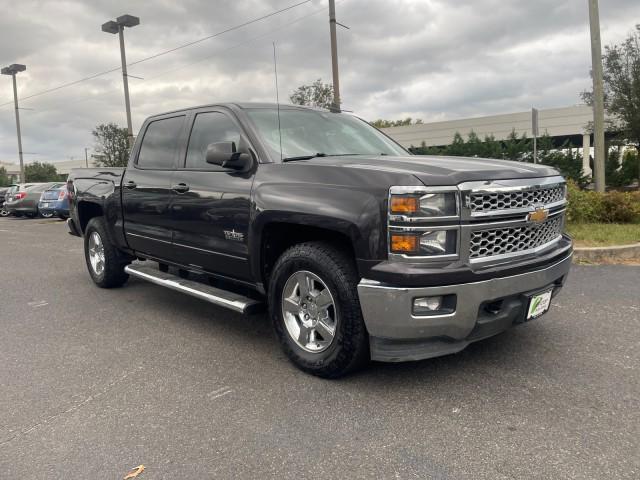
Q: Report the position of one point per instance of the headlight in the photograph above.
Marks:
(426, 205)
(431, 243)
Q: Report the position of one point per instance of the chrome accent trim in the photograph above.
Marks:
(507, 186)
(223, 298)
(513, 185)
(387, 310)
(504, 256)
(516, 222)
(515, 211)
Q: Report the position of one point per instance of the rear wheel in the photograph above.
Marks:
(104, 261)
(3, 212)
(315, 310)
(46, 214)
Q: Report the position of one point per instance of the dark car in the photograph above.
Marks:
(359, 249)
(54, 202)
(3, 211)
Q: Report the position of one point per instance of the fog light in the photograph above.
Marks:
(426, 305)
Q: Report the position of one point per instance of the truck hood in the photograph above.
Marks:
(439, 170)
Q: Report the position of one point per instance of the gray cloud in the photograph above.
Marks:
(431, 59)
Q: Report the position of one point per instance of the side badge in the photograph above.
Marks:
(233, 235)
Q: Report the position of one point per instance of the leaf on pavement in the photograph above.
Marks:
(134, 472)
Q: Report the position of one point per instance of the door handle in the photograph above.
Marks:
(130, 185)
(180, 188)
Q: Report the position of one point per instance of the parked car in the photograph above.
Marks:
(359, 249)
(3, 191)
(54, 201)
(24, 199)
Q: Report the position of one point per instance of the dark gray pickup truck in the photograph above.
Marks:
(359, 249)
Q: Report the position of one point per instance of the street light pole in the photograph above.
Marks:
(12, 70)
(118, 27)
(598, 96)
(125, 80)
(334, 56)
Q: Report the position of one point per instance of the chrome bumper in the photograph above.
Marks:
(398, 335)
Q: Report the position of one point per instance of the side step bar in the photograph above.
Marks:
(217, 296)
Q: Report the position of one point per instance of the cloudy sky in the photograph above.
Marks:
(429, 59)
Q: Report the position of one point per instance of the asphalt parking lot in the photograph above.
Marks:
(94, 382)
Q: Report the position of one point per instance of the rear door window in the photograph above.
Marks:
(160, 143)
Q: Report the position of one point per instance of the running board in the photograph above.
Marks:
(223, 298)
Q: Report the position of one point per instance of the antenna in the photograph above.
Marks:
(275, 71)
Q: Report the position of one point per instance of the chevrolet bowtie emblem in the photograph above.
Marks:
(539, 215)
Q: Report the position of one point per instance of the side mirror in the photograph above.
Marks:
(226, 155)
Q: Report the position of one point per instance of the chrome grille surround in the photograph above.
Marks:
(502, 241)
(482, 202)
(500, 235)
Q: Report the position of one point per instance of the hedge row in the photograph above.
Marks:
(586, 206)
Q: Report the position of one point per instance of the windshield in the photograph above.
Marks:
(312, 132)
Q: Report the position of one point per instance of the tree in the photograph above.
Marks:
(621, 65)
(380, 123)
(40, 172)
(112, 145)
(5, 181)
(317, 94)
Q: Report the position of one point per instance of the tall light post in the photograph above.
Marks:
(118, 27)
(12, 70)
(334, 56)
(598, 97)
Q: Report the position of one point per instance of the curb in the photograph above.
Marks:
(606, 254)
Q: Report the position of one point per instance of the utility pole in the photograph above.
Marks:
(86, 157)
(598, 96)
(114, 27)
(12, 70)
(534, 133)
(334, 56)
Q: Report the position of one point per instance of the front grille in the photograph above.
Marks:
(500, 241)
(493, 201)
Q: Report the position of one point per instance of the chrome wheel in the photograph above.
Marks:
(96, 253)
(4, 213)
(309, 311)
(46, 215)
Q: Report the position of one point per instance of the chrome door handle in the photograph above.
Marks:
(180, 188)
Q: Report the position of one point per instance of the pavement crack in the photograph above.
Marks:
(69, 410)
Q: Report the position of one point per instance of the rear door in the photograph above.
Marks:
(210, 204)
(146, 187)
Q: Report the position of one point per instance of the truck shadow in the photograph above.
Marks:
(514, 350)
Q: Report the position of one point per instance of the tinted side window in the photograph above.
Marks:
(160, 143)
(209, 127)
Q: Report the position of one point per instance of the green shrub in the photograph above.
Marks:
(621, 207)
(611, 207)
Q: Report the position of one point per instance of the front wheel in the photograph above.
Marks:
(46, 214)
(4, 213)
(104, 261)
(315, 310)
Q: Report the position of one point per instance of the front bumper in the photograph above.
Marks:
(482, 309)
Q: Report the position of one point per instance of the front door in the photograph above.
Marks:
(210, 204)
(146, 188)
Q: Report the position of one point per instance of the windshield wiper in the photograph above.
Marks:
(304, 157)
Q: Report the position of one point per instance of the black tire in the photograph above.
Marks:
(62, 216)
(349, 348)
(112, 274)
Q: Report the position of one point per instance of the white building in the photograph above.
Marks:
(560, 123)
